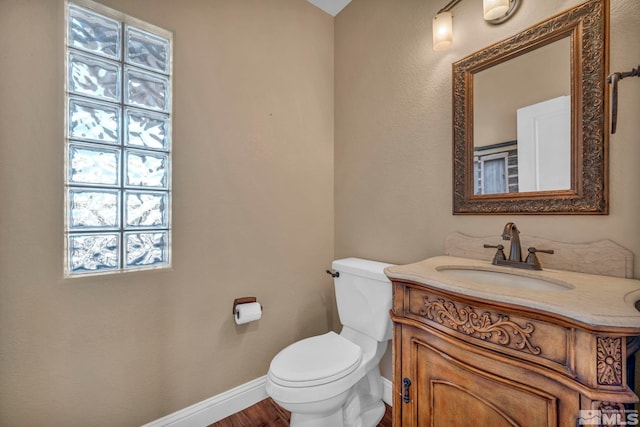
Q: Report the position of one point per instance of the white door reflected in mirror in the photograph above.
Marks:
(544, 145)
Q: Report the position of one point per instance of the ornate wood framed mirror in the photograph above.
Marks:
(530, 119)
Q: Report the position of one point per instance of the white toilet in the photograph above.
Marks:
(333, 380)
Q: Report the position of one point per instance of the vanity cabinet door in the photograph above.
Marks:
(453, 390)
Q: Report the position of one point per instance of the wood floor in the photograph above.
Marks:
(267, 413)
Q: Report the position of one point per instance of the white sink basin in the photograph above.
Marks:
(505, 279)
(587, 298)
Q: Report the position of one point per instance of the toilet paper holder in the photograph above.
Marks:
(243, 300)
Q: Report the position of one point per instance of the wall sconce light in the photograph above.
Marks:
(442, 30)
(494, 11)
(498, 11)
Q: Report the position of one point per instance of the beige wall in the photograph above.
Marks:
(252, 216)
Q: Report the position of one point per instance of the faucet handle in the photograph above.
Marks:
(532, 258)
(533, 250)
(499, 256)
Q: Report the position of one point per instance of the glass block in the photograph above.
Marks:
(146, 249)
(147, 50)
(93, 121)
(93, 32)
(93, 165)
(146, 90)
(93, 209)
(146, 169)
(146, 209)
(93, 252)
(94, 77)
(146, 130)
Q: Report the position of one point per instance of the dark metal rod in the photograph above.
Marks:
(635, 72)
(447, 7)
(613, 80)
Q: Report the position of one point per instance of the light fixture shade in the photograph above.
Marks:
(442, 30)
(494, 9)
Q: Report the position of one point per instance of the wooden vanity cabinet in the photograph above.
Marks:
(461, 361)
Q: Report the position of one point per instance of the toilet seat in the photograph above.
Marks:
(315, 361)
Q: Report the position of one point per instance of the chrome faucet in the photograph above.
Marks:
(512, 233)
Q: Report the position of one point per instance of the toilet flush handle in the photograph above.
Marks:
(333, 273)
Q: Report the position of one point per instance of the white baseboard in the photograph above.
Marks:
(217, 407)
(229, 402)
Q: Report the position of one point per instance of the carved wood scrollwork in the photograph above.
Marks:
(487, 326)
(609, 406)
(609, 360)
(606, 413)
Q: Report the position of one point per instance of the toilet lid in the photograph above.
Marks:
(316, 360)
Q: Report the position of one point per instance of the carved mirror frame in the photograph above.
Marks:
(587, 26)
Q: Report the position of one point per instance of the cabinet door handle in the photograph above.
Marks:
(406, 382)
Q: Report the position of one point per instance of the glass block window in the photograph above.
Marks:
(118, 142)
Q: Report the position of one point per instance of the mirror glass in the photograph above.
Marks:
(522, 132)
(529, 119)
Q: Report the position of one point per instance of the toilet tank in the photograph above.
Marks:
(363, 296)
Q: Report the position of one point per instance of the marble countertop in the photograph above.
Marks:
(601, 301)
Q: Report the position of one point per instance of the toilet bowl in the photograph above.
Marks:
(333, 380)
